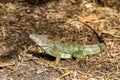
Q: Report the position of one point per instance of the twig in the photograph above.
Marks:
(65, 74)
(5, 65)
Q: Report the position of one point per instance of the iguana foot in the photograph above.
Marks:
(52, 63)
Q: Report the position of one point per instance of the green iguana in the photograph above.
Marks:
(65, 51)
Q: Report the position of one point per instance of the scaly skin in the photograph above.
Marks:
(65, 51)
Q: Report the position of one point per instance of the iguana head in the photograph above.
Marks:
(41, 40)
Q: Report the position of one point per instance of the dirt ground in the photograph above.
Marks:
(61, 21)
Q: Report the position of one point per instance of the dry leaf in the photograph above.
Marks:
(112, 32)
(89, 18)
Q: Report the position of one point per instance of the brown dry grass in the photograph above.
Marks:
(61, 21)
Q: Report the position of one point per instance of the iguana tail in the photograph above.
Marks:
(88, 50)
(93, 49)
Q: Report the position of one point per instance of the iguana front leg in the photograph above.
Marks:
(54, 52)
(57, 60)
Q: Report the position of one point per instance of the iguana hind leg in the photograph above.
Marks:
(80, 54)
